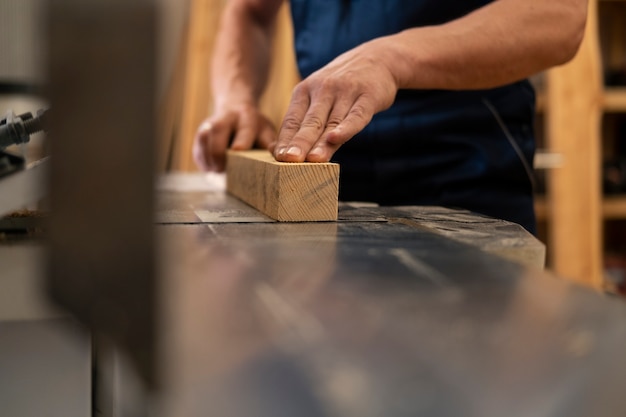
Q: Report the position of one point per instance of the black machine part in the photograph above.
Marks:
(10, 163)
(15, 130)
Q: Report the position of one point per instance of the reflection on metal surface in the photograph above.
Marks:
(369, 318)
(232, 270)
(418, 267)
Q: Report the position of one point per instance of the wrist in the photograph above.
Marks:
(406, 62)
(391, 56)
(233, 102)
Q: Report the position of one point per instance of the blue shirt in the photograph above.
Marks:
(466, 149)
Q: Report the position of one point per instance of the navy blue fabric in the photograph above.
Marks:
(432, 147)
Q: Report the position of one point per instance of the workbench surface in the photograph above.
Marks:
(388, 312)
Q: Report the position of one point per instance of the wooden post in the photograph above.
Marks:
(574, 102)
(202, 28)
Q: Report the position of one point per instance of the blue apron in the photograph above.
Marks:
(465, 149)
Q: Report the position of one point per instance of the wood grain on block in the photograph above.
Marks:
(285, 191)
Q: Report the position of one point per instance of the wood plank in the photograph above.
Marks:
(203, 20)
(289, 192)
(574, 100)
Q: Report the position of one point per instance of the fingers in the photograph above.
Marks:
(267, 136)
(212, 140)
(310, 115)
(359, 116)
(199, 145)
(341, 129)
(314, 134)
(214, 135)
(284, 149)
(334, 103)
(247, 127)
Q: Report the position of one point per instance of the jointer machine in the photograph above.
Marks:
(210, 308)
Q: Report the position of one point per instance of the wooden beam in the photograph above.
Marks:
(203, 20)
(289, 192)
(573, 107)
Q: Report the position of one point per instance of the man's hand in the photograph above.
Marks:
(244, 124)
(335, 103)
(239, 71)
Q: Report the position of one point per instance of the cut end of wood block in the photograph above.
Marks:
(284, 191)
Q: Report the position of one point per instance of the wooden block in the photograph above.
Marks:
(285, 191)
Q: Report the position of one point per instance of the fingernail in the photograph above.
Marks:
(316, 152)
(280, 151)
(294, 151)
(206, 126)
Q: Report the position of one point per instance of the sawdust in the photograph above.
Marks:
(26, 229)
(26, 213)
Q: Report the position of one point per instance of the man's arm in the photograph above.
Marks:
(238, 76)
(503, 42)
(500, 43)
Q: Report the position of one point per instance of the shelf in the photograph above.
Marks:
(614, 99)
(613, 208)
(547, 160)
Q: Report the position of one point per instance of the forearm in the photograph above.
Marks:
(503, 42)
(240, 62)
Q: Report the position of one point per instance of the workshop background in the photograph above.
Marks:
(581, 120)
(581, 129)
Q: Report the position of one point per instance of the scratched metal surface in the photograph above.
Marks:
(377, 316)
(212, 205)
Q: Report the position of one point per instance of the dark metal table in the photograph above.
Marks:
(387, 312)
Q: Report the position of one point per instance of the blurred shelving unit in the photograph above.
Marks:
(574, 107)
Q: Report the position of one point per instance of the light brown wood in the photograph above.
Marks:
(202, 25)
(613, 208)
(614, 99)
(289, 192)
(573, 107)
